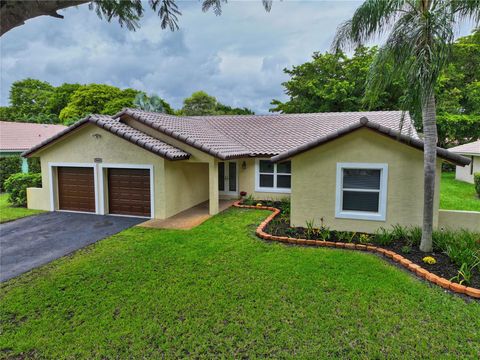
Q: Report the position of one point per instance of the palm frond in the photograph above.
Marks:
(370, 20)
(467, 10)
(216, 5)
(128, 13)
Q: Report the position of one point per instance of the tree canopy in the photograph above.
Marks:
(128, 13)
(200, 103)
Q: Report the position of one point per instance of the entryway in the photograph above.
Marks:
(228, 178)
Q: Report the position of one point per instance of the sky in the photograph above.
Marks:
(237, 57)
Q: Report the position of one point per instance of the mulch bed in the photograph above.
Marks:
(443, 267)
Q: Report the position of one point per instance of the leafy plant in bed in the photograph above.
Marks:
(456, 254)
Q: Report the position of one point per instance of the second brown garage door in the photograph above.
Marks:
(129, 191)
(76, 189)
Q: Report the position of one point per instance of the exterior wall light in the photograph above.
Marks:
(244, 165)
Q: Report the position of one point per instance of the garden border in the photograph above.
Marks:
(409, 265)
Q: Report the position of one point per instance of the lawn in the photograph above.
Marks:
(218, 291)
(8, 213)
(457, 195)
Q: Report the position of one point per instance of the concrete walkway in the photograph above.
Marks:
(186, 219)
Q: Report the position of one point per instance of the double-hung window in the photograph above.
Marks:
(361, 191)
(273, 177)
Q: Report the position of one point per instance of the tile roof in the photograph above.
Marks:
(195, 132)
(273, 134)
(366, 123)
(18, 136)
(124, 131)
(472, 148)
(235, 136)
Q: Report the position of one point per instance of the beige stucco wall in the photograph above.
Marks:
(464, 173)
(186, 185)
(38, 199)
(82, 147)
(314, 181)
(458, 219)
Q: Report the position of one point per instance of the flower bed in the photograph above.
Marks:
(399, 244)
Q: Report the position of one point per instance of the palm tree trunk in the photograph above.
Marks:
(430, 160)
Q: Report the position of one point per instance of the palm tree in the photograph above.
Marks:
(419, 35)
(148, 103)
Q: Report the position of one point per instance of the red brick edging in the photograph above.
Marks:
(417, 269)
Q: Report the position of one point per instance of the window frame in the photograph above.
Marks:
(382, 199)
(273, 189)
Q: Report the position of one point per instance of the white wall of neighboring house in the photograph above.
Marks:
(465, 173)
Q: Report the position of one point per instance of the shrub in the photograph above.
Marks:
(16, 186)
(34, 165)
(9, 165)
(476, 179)
(429, 260)
(460, 246)
(383, 236)
(414, 236)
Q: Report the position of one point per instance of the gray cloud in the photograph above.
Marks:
(237, 57)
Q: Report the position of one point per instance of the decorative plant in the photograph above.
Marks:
(465, 273)
(259, 204)
(243, 193)
(364, 238)
(249, 200)
(310, 229)
(399, 232)
(406, 249)
(429, 260)
(383, 236)
(324, 233)
(344, 236)
(476, 179)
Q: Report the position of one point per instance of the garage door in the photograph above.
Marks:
(76, 189)
(129, 191)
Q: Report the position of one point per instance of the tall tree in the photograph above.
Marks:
(200, 103)
(419, 43)
(30, 97)
(334, 82)
(14, 13)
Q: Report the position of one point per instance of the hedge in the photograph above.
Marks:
(9, 165)
(16, 186)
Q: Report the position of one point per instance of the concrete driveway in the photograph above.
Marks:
(33, 241)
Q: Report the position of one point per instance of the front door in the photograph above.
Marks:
(227, 178)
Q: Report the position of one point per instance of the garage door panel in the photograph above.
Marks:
(76, 189)
(129, 191)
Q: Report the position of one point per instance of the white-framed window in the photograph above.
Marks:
(273, 177)
(361, 191)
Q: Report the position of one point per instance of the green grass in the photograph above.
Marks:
(218, 291)
(457, 195)
(8, 213)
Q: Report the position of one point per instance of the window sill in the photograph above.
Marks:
(360, 215)
(273, 190)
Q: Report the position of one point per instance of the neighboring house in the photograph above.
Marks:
(349, 171)
(17, 137)
(471, 150)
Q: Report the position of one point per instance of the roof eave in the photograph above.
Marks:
(365, 123)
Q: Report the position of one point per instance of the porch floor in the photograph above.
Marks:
(186, 219)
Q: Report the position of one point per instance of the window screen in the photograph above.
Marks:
(361, 190)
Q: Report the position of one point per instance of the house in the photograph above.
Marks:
(352, 171)
(471, 150)
(17, 137)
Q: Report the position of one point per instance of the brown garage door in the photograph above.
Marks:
(129, 191)
(76, 189)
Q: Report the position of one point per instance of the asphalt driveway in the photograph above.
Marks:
(33, 241)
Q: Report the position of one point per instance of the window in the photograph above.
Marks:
(361, 191)
(273, 177)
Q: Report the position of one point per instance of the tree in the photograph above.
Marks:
(152, 103)
(96, 98)
(334, 82)
(419, 44)
(60, 97)
(14, 13)
(199, 103)
(228, 110)
(30, 97)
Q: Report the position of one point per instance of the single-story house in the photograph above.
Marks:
(17, 137)
(351, 171)
(471, 150)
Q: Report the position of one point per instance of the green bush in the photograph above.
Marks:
(16, 186)
(476, 178)
(34, 165)
(9, 165)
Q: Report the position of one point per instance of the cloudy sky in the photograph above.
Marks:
(237, 57)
